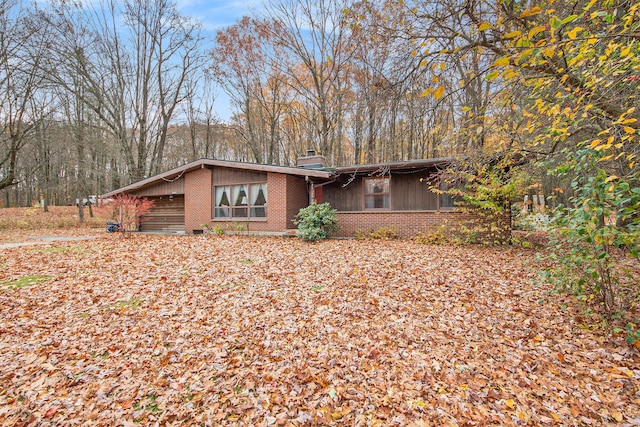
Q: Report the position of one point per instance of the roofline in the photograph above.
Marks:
(407, 164)
(325, 173)
(201, 163)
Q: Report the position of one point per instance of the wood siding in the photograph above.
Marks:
(407, 193)
(347, 198)
(167, 214)
(163, 188)
(224, 176)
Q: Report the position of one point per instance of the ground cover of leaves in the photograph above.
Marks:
(237, 330)
(17, 224)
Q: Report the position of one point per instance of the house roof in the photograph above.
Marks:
(203, 163)
(323, 173)
(391, 166)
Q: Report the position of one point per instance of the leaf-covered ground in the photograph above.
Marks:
(197, 330)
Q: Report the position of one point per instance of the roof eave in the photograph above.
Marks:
(174, 173)
(408, 164)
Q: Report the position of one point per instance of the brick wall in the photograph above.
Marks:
(278, 215)
(410, 224)
(297, 198)
(198, 208)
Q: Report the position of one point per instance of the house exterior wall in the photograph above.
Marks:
(297, 198)
(407, 224)
(197, 199)
(410, 212)
(408, 192)
(286, 194)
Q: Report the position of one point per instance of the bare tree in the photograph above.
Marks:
(316, 36)
(22, 49)
(132, 62)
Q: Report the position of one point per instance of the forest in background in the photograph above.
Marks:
(96, 95)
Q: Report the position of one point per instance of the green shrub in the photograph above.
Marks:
(316, 221)
(216, 230)
(587, 248)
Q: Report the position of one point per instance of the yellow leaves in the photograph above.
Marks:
(535, 31)
(625, 52)
(617, 415)
(510, 403)
(590, 4)
(629, 129)
(439, 92)
(512, 35)
(530, 12)
(484, 26)
(501, 62)
(417, 404)
(572, 34)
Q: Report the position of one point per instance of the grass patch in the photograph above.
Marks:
(24, 281)
(132, 304)
(49, 250)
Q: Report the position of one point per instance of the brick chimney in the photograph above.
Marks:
(311, 161)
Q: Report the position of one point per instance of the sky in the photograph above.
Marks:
(216, 15)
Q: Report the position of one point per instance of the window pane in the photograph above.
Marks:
(377, 185)
(380, 201)
(222, 202)
(239, 200)
(447, 200)
(376, 192)
(240, 197)
(258, 194)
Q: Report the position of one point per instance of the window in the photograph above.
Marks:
(241, 201)
(447, 201)
(376, 193)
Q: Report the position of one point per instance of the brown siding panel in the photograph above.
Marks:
(163, 188)
(408, 193)
(347, 198)
(167, 214)
(224, 176)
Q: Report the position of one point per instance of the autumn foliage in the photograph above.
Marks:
(127, 210)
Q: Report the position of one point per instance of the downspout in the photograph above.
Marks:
(312, 188)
